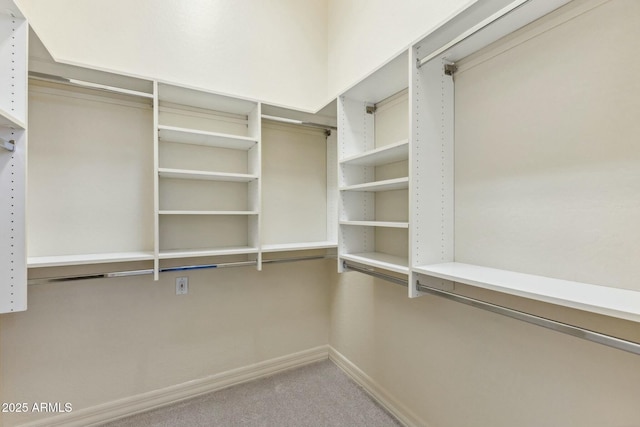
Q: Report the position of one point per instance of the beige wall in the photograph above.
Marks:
(294, 53)
(457, 366)
(275, 50)
(562, 166)
(91, 342)
(364, 34)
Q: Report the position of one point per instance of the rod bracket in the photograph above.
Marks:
(371, 109)
(450, 69)
(9, 145)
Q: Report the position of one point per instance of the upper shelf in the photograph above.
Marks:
(203, 99)
(614, 302)
(209, 139)
(380, 156)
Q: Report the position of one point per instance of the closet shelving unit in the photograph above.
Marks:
(432, 131)
(52, 83)
(373, 180)
(432, 123)
(208, 174)
(13, 157)
(299, 172)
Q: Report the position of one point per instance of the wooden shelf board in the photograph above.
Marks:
(206, 176)
(614, 302)
(9, 120)
(387, 154)
(386, 185)
(194, 253)
(83, 259)
(379, 260)
(388, 224)
(208, 212)
(283, 247)
(209, 139)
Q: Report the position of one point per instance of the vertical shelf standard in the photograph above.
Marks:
(13, 158)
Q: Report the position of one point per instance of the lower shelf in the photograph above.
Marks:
(614, 302)
(84, 259)
(283, 247)
(379, 260)
(194, 253)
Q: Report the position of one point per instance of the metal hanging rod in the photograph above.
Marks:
(89, 85)
(9, 145)
(565, 328)
(473, 30)
(148, 271)
(370, 272)
(299, 122)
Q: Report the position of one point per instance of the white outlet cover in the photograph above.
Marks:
(182, 285)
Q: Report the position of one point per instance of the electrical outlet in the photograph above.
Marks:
(182, 285)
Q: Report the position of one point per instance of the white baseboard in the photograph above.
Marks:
(377, 392)
(111, 411)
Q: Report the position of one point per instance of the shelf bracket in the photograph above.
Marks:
(9, 145)
(450, 69)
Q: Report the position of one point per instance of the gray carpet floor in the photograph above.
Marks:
(316, 395)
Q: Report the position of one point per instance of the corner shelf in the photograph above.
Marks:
(205, 176)
(208, 139)
(387, 154)
(614, 302)
(84, 259)
(386, 185)
(379, 260)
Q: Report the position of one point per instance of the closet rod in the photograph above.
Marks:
(9, 145)
(298, 122)
(397, 280)
(143, 272)
(473, 30)
(81, 83)
(575, 331)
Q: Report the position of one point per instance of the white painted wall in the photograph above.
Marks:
(273, 50)
(364, 34)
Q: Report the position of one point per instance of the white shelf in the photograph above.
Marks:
(9, 120)
(205, 176)
(193, 97)
(83, 259)
(614, 302)
(194, 253)
(209, 139)
(386, 185)
(380, 260)
(388, 154)
(283, 247)
(388, 224)
(208, 213)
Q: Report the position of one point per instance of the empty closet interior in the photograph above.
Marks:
(493, 162)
